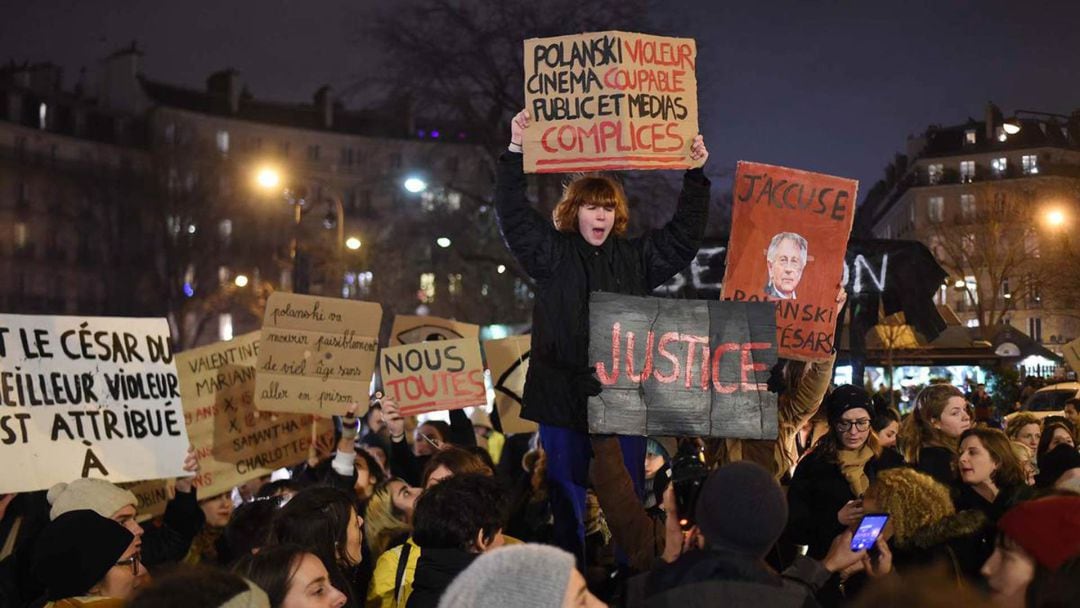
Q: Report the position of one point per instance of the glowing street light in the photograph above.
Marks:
(268, 178)
(353, 243)
(241, 280)
(415, 185)
(443, 242)
(501, 269)
(1055, 218)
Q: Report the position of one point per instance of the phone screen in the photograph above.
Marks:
(868, 531)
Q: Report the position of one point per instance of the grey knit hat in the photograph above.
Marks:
(98, 495)
(521, 576)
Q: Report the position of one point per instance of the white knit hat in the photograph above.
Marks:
(98, 495)
(520, 576)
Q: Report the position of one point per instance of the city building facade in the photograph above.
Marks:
(996, 202)
(390, 210)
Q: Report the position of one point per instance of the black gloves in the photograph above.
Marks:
(585, 383)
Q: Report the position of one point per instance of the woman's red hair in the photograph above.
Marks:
(597, 190)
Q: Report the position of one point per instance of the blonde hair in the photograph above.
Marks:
(598, 190)
(383, 522)
(918, 431)
(1022, 452)
(1019, 421)
(913, 500)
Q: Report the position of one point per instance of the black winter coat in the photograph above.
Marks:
(566, 269)
(817, 492)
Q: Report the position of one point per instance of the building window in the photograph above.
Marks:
(943, 294)
(1031, 243)
(313, 153)
(225, 230)
(936, 209)
(969, 137)
(1035, 328)
(21, 236)
(967, 207)
(1034, 291)
(1000, 134)
(1030, 163)
(223, 142)
(427, 287)
(971, 292)
(43, 116)
(967, 171)
(999, 166)
(1006, 292)
(225, 328)
(454, 284)
(934, 173)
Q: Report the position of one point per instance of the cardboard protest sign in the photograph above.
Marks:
(789, 233)
(408, 329)
(431, 376)
(682, 367)
(1072, 355)
(508, 360)
(610, 100)
(153, 496)
(233, 441)
(317, 354)
(87, 397)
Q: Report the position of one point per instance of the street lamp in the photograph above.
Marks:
(1055, 218)
(241, 280)
(268, 178)
(1012, 125)
(353, 243)
(415, 185)
(443, 242)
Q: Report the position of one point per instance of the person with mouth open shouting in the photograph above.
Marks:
(582, 251)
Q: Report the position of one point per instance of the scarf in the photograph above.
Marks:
(853, 467)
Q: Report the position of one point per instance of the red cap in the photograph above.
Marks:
(1048, 528)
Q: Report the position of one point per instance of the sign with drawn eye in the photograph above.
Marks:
(508, 360)
(409, 329)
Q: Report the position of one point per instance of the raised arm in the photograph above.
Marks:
(530, 237)
(670, 249)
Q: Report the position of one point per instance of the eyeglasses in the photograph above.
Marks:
(860, 425)
(134, 561)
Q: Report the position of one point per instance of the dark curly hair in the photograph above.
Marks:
(451, 514)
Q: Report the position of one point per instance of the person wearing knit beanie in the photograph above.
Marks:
(847, 397)
(741, 508)
(522, 576)
(1037, 537)
(1061, 462)
(81, 553)
(98, 495)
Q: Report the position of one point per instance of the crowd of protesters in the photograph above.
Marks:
(458, 514)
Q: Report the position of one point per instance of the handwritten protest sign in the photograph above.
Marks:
(682, 367)
(1072, 355)
(430, 376)
(508, 360)
(87, 397)
(789, 233)
(610, 100)
(317, 354)
(408, 329)
(233, 441)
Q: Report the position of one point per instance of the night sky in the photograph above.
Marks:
(826, 86)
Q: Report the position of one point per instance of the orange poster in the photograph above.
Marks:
(789, 233)
(610, 101)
